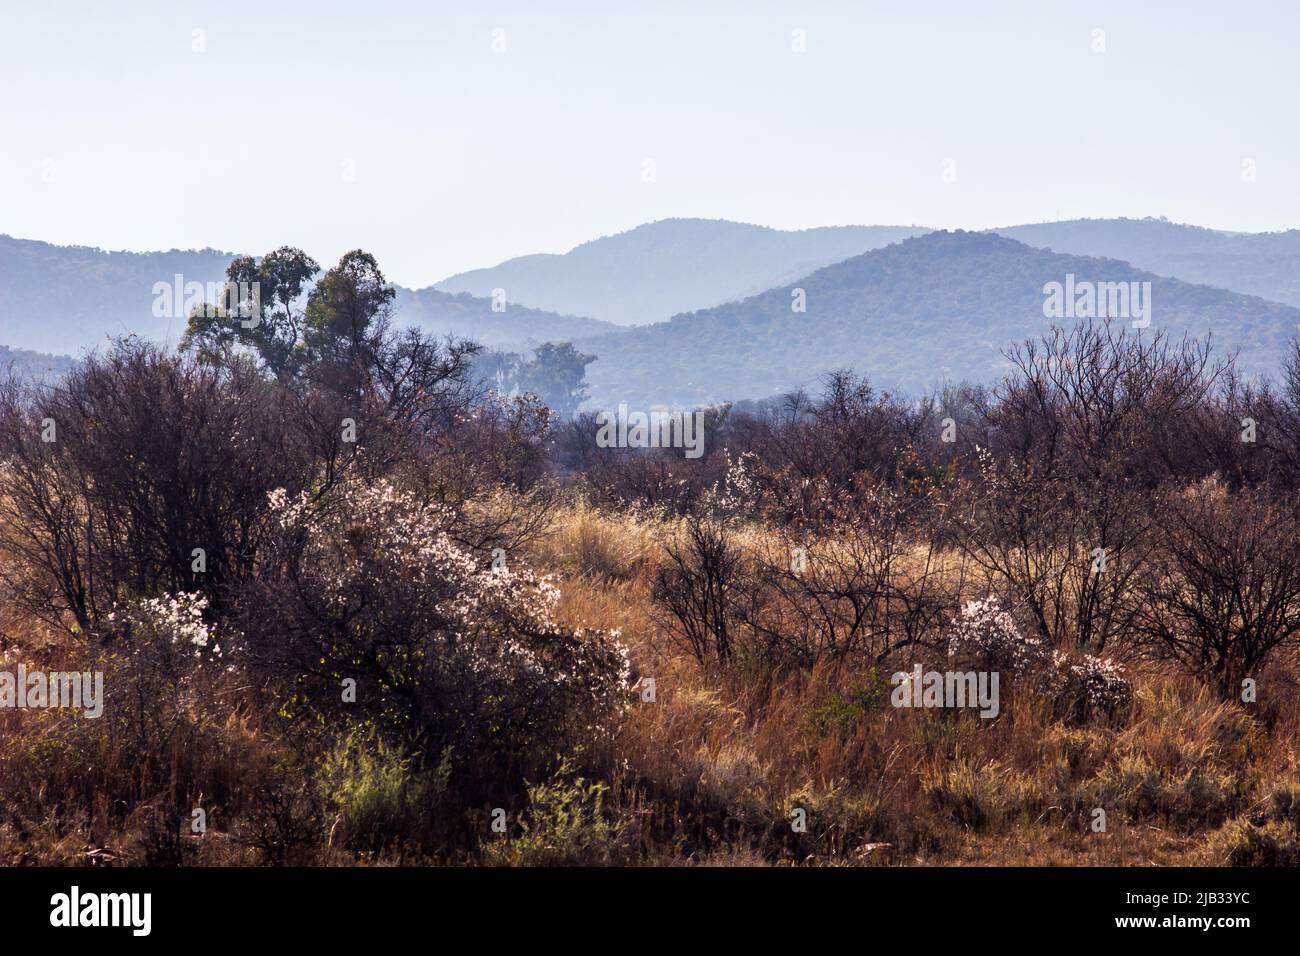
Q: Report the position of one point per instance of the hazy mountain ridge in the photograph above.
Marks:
(471, 317)
(1266, 264)
(27, 365)
(911, 313)
(62, 300)
(672, 266)
(659, 269)
(941, 306)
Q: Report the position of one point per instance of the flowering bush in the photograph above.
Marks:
(458, 659)
(1088, 687)
(175, 619)
(985, 637)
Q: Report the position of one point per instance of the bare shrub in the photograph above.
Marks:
(700, 585)
(1081, 435)
(152, 458)
(1223, 590)
(861, 585)
(285, 824)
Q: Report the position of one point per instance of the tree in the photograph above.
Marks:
(556, 374)
(1082, 433)
(336, 338)
(1223, 589)
(153, 457)
(275, 334)
(347, 322)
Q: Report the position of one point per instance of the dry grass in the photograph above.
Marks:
(724, 758)
(713, 771)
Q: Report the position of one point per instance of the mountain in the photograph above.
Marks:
(27, 365)
(517, 327)
(65, 299)
(940, 306)
(659, 269)
(1265, 264)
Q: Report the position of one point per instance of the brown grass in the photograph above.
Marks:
(714, 769)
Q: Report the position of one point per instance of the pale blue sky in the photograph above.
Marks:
(464, 157)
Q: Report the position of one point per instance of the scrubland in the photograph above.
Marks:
(708, 773)
(352, 609)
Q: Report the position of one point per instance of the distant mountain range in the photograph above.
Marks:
(655, 271)
(652, 272)
(63, 300)
(1265, 264)
(515, 327)
(938, 307)
(905, 305)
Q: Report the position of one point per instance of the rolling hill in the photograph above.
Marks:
(1266, 264)
(934, 306)
(31, 366)
(517, 327)
(940, 306)
(659, 269)
(62, 300)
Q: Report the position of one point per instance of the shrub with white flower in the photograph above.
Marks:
(174, 619)
(450, 653)
(985, 637)
(1088, 687)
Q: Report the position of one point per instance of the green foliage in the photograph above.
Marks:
(379, 795)
(276, 335)
(555, 374)
(565, 825)
(842, 710)
(337, 335)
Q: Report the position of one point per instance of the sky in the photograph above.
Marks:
(444, 136)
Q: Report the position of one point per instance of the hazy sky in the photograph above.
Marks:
(396, 127)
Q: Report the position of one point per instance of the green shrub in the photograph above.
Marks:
(378, 795)
(565, 825)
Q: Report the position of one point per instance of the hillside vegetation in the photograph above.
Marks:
(938, 308)
(1266, 264)
(431, 624)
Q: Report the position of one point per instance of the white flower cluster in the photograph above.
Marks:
(176, 617)
(1098, 683)
(984, 636)
(737, 493)
(384, 549)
